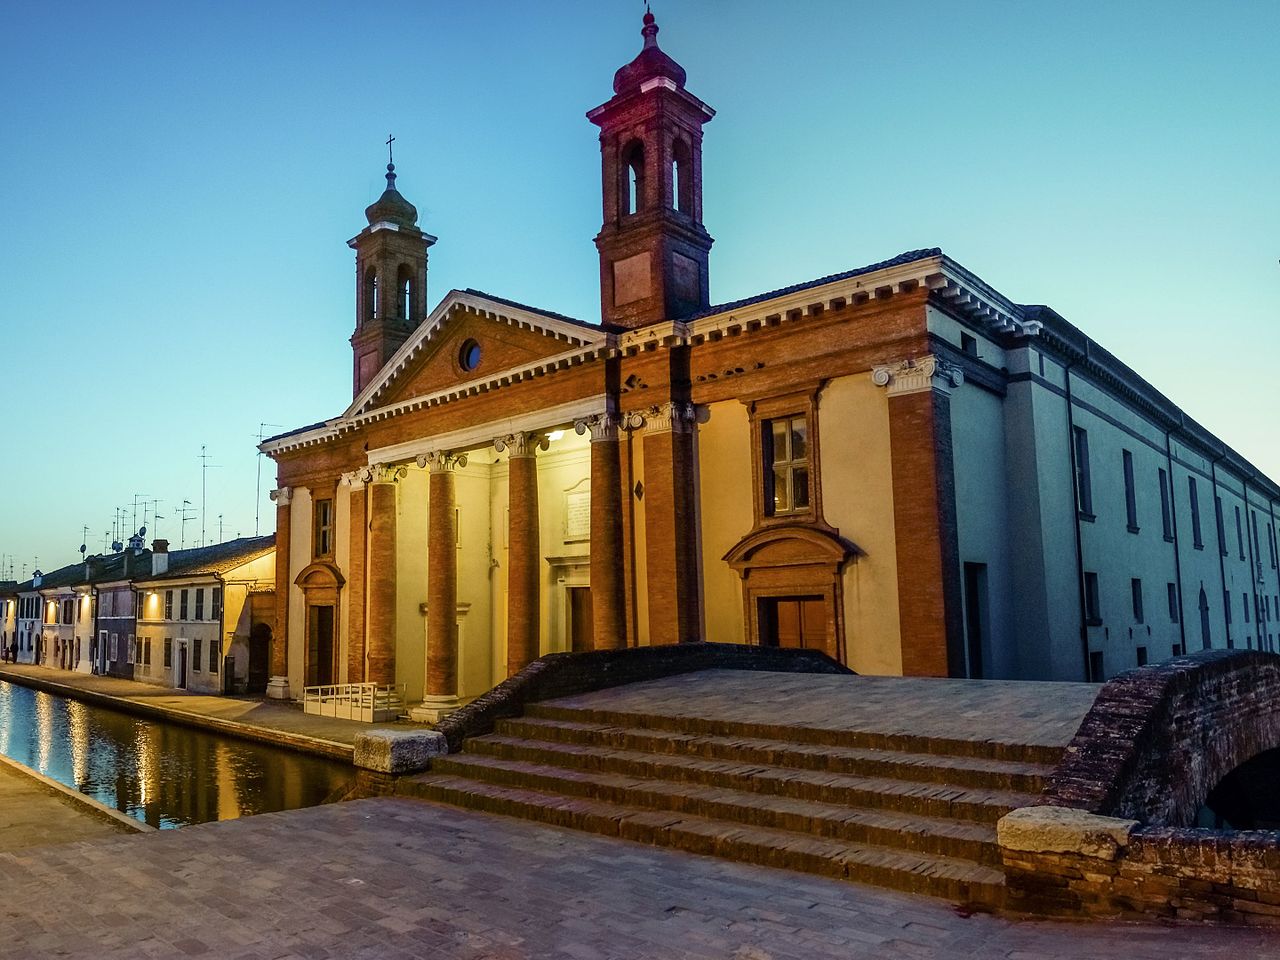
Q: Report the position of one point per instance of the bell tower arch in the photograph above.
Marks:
(654, 250)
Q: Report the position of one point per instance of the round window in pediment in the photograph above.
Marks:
(469, 355)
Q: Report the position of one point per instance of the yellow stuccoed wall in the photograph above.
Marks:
(724, 449)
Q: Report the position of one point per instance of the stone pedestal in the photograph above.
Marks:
(278, 688)
(432, 709)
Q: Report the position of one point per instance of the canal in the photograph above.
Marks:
(162, 774)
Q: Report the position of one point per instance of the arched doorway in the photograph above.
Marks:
(321, 585)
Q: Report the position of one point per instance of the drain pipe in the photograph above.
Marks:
(1177, 545)
(1075, 509)
(1221, 531)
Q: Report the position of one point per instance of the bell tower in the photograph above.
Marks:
(391, 281)
(653, 247)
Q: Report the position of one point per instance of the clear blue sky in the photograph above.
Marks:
(178, 182)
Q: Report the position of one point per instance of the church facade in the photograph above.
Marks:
(897, 465)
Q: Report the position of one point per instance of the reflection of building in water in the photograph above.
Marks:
(79, 741)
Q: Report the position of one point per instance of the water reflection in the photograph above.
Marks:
(164, 775)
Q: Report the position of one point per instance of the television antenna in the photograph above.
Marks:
(257, 498)
(205, 467)
(184, 515)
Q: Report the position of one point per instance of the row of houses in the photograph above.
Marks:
(197, 619)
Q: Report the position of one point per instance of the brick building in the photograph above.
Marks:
(897, 465)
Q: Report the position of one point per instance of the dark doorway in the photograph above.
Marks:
(259, 659)
(796, 622)
(976, 615)
(182, 666)
(581, 627)
(1206, 638)
(320, 646)
(1247, 798)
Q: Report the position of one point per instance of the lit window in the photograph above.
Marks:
(786, 472)
(324, 528)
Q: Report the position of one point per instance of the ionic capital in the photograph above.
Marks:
(524, 444)
(442, 461)
(674, 417)
(356, 479)
(917, 374)
(283, 497)
(603, 426)
(386, 473)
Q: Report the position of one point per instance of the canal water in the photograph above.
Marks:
(162, 774)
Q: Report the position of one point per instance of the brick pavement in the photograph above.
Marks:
(32, 814)
(393, 878)
(998, 711)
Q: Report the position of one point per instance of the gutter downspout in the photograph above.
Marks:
(1075, 509)
(1177, 546)
(1221, 529)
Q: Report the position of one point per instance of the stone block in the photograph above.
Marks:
(398, 751)
(1064, 830)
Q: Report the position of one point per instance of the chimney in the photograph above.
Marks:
(159, 556)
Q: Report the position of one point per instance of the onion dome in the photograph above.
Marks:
(391, 207)
(650, 64)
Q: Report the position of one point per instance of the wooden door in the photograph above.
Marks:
(795, 622)
(581, 627)
(320, 646)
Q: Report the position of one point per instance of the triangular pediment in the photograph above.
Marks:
(498, 336)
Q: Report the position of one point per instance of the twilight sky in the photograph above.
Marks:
(178, 182)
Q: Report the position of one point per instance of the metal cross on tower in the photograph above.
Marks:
(390, 140)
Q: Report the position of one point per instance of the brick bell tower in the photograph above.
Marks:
(391, 281)
(653, 247)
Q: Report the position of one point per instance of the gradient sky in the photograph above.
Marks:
(178, 183)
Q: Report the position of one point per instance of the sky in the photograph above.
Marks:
(178, 183)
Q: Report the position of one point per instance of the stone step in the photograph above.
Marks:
(961, 771)
(958, 880)
(865, 739)
(815, 786)
(938, 836)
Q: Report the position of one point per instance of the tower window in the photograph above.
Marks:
(633, 174)
(681, 177)
(404, 291)
(370, 294)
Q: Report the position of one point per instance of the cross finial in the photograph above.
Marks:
(390, 140)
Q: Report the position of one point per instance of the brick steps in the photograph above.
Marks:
(875, 740)
(856, 824)
(954, 879)
(963, 771)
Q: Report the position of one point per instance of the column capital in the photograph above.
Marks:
(385, 473)
(673, 417)
(603, 426)
(523, 444)
(356, 479)
(442, 461)
(283, 497)
(917, 374)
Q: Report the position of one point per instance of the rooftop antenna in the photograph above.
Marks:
(219, 528)
(257, 500)
(133, 522)
(205, 467)
(185, 515)
(155, 519)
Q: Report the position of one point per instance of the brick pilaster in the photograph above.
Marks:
(924, 514)
(380, 640)
(280, 634)
(524, 552)
(357, 499)
(608, 596)
(442, 577)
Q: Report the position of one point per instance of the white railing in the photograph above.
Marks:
(355, 701)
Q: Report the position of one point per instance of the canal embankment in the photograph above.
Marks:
(36, 810)
(262, 721)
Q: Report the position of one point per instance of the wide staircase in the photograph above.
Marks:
(911, 813)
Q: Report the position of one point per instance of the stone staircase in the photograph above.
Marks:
(910, 813)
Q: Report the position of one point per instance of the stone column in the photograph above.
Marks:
(924, 514)
(524, 550)
(358, 525)
(441, 695)
(278, 684)
(670, 518)
(608, 585)
(380, 639)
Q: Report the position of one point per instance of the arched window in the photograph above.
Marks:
(370, 294)
(681, 177)
(633, 178)
(404, 292)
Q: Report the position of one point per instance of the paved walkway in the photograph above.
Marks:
(33, 815)
(268, 720)
(394, 878)
(996, 711)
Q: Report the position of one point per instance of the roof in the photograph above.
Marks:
(295, 431)
(551, 314)
(216, 558)
(909, 257)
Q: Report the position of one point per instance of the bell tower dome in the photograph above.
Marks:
(654, 250)
(391, 281)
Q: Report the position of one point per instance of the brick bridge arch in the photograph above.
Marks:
(1158, 739)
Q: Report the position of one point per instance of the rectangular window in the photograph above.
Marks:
(1130, 494)
(1173, 602)
(168, 652)
(1226, 604)
(323, 541)
(1142, 656)
(1084, 487)
(1177, 649)
(1197, 540)
(1245, 598)
(1239, 532)
(1222, 530)
(215, 604)
(68, 611)
(146, 651)
(1096, 670)
(215, 654)
(1135, 589)
(199, 603)
(113, 649)
(1271, 541)
(1092, 602)
(168, 604)
(969, 344)
(786, 472)
(132, 652)
(195, 654)
(182, 610)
